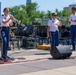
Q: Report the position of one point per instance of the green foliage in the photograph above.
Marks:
(28, 14)
(66, 13)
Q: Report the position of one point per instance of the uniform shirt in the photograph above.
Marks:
(72, 17)
(5, 18)
(53, 24)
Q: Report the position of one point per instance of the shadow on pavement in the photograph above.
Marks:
(41, 54)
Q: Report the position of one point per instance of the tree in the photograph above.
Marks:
(66, 13)
(26, 14)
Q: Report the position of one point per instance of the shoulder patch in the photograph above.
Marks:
(2, 15)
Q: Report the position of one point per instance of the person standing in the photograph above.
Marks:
(6, 21)
(53, 30)
(72, 21)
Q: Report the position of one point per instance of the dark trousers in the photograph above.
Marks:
(73, 35)
(5, 32)
(55, 39)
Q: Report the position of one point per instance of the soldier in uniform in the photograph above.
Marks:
(72, 21)
(6, 21)
(53, 29)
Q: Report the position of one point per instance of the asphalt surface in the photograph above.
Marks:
(35, 61)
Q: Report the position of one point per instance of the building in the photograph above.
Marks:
(45, 21)
(69, 7)
(28, 1)
(0, 8)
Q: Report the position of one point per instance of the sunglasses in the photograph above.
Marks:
(54, 15)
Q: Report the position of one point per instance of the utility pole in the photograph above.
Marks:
(28, 1)
(0, 8)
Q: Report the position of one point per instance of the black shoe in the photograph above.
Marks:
(9, 48)
(1, 61)
(73, 50)
(6, 58)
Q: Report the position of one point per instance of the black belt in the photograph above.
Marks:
(73, 25)
(5, 27)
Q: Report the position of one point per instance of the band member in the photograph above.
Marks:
(53, 29)
(72, 22)
(6, 22)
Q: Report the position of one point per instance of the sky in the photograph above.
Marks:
(44, 5)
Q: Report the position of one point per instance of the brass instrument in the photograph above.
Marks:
(15, 24)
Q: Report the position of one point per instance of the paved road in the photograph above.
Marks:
(35, 62)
